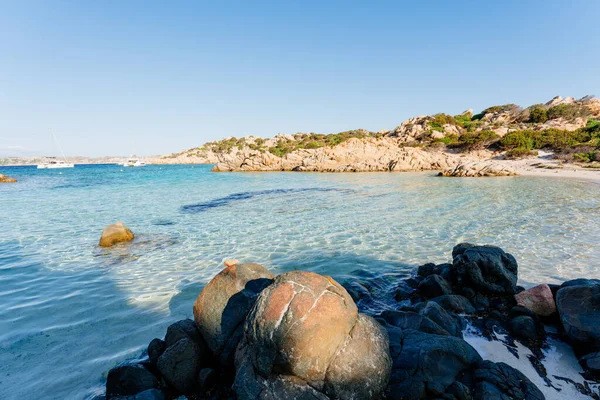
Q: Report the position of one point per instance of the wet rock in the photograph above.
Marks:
(459, 391)
(591, 362)
(441, 317)
(501, 381)
(539, 299)
(403, 293)
(426, 270)
(426, 365)
(434, 286)
(306, 326)
(206, 379)
(525, 328)
(127, 380)
(455, 303)
(414, 281)
(115, 233)
(580, 282)
(221, 308)
(186, 328)
(180, 365)
(413, 320)
(579, 310)
(155, 349)
(486, 269)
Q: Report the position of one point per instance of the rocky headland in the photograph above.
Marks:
(301, 335)
(569, 128)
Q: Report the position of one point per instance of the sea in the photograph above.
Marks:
(70, 310)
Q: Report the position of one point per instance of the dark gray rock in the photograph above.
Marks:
(455, 303)
(579, 310)
(127, 380)
(486, 269)
(180, 364)
(413, 320)
(155, 349)
(441, 317)
(434, 286)
(580, 282)
(591, 362)
(503, 382)
(426, 365)
(206, 379)
(150, 394)
(526, 329)
(459, 391)
(426, 270)
(186, 328)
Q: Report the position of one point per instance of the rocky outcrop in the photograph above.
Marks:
(6, 179)
(115, 233)
(478, 169)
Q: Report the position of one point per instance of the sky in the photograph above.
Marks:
(150, 77)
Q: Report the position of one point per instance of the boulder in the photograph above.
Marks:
(524, 327)
(150, 394)
(6, 179)
(426, 365)
(115, 233)
(486, 269)
(478, 169)
(304, 335)
(180, 365)
(434, 286)
(539, 299)
(501, 381)
(155, 349)
(591, 362)
(413, 320)
(221, 308)
(579, 310)
(455, 303)
(131, 379)
(186, 328)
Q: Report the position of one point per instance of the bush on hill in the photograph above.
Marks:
(569, 111)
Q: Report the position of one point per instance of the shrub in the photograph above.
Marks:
(538, 115)
(463, 120)
(569, 111)
(476, 140)
(586, 157)
(555, 139)
(520, 152)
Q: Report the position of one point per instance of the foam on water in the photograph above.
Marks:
(70, 311)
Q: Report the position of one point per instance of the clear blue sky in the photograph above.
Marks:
(117, 77)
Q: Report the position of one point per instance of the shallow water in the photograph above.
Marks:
(69, 310)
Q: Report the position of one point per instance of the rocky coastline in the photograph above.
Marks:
(569, 127)
(301, 335)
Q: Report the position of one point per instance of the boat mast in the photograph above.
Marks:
(58, 144)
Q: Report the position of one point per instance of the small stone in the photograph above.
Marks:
(155, 349)
(115, 233)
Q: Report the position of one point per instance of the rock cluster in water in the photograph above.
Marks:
(6, 179)
(478, 169)
(300, 335)
(114, 234)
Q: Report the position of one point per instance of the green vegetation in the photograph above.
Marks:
(315, 140)
(538, 114)
(520, 152)
(469, 140)
(568, 111)
(439, 120)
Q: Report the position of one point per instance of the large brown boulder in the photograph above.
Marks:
(115, 233)
(221, 308)
(307, 326)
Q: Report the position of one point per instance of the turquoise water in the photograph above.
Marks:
(69, 311)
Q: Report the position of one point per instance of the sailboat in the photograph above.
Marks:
(53, 162)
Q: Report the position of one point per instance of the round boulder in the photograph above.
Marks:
(221, 308)
(115, 233)
(307, 326)
(538, 299)
(579, 310)
(180, 364)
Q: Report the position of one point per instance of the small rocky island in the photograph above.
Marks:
(6, 179)
(301, 335)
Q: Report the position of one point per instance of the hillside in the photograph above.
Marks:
(568, 127)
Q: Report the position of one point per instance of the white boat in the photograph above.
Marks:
(53, 162)
(134, 162)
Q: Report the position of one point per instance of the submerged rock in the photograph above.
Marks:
(306, 326)
(115, 233)
(6, 179)
(221, 308)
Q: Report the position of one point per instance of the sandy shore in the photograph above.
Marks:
(544, 165)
